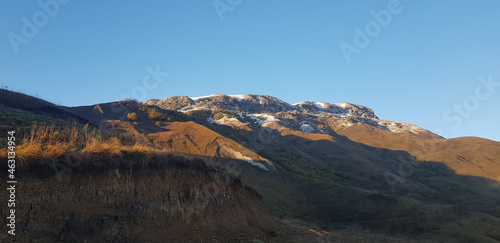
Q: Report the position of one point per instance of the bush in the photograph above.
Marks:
(157, 124)
(218, 116)
(132, 116)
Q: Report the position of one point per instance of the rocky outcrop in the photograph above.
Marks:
(246, 104)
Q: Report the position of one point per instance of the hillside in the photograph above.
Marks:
(21, 112)
(466, 155)
(23, 102)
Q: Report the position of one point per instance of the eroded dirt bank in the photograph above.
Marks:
(133, 199)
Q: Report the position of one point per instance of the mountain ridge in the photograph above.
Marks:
(342, 114)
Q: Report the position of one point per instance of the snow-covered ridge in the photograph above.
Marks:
(321, 105)
(201, 97)
(238, 97)
(264, 118)
(265, 109)
(342, 104)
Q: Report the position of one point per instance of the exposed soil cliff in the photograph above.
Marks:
(136, 199)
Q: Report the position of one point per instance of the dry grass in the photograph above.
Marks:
(98, 145)
(51, 142)
(47, 142)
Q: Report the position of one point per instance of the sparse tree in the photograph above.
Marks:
(132, 116)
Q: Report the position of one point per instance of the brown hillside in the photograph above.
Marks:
(193, 138)
(466, 155)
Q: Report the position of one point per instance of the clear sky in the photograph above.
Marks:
(413, 61)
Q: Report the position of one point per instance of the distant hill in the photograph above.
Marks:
(28, 103)
(21, 112)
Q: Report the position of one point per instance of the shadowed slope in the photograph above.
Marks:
(35, 105)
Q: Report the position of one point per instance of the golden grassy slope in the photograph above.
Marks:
(193, 138)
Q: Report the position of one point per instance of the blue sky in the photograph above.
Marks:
(417, 67)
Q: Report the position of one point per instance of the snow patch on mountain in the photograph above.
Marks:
(240, 156)
(238, 97)
(321, 105)
(211, 120)
(342, 104)
(400, 127)
(193, 108)
(233, 122)
(258, 120)
(264, 118)
(297, 104)
(307, 128)
(202, 97)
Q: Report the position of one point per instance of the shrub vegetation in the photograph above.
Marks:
(132, 116)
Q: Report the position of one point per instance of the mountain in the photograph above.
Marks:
(307, 114)
(335, 168)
